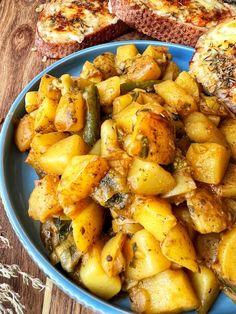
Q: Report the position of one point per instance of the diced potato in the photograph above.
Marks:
(228, 128)
(227, 255)
(91, 73)
(171, 71)
(109, 138)
(182, 214)
(67, 84)
(24, 133)
(178, 248)
(214, 119)
(87, 225)
(57, 156)
(82, 83)
(148, 98)
(159, 53)
(148, 178)
(70, 113)
(153, 138)
(47, 89)
(129, 227)
(188, 83)
(210, 105)
(200, 129)
(105, 63)
(124, 53)
(227, 188)
(40, 144)
(94, 277)
(206, 285)
(163, 293)
(143, 68)
(81, 175)
(108, 90)
(31, 101)
(73, 211)
(43, 203)
(176, 97)
(206, 246)
(112, 259)
(96, 149)
(208, 161)
(127, 118)
(143, 256)
(154, 214)
(207, 211)
(44, 120)
(121, 102)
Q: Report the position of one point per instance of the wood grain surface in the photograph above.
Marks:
(18, 65)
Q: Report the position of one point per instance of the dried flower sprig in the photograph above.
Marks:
(8, 295)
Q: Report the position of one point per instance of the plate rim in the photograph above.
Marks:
(75, 291)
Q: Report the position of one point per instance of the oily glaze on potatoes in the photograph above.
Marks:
(137, 180)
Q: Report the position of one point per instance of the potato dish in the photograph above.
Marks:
(137, 180)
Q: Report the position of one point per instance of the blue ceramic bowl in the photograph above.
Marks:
(17, 180)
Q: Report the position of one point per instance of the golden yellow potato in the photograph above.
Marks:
(178, 248)
(143, 256)
(91, 73)
(105, 63)
(215, 119)
(109, 138)
(67, 84)
(112, 259)
(207, 211)
(43, 203)
(176, 97)
(228, 128)
(94, 277)
(227, 188)
(57, 156)
(167, 292)
(171, 71)
(182, 214)
(124, 53)
(31, 101)
(209, 161)
(87, 225)
(70, 113)
(47, 89)
(153, 138)
(143, 68)
(44, 120)
(154, 214)
(129, 227)
(206, 286)
(108, 90)
(121, 102)
(188, 83)
(24, 133)
(96, 149)
(159, 53)
(148, 178)
(81, 175)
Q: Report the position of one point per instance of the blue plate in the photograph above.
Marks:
(17, 179)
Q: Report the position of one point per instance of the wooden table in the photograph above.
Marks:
(19, 64)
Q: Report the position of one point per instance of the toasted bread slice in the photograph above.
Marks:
(182, 21)
(214, 62)
(67, 26)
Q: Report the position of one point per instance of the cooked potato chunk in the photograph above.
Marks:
(171, 71)
(154, 214)
(143, 68)
(96, 149)
(206, 285)
(124, 53)
(210, 105)
(153, 138)
(188, 83)
(178, 248)
(121, 103)
(112, 258)
(149, 178)
(44, 120)
(47, 89)
(94, 277)
(143, 256)
(182, 214)
(70, 113)
(87, 225)
(91, 73)
(81, 175)
(201, 129)
(176, 97)
(207, 248)
(228, 128)
(158, 53)
(31, 101)
(108, 90)
(163, 293)
(57, 156)
(43, 203)
(209, 161)
(227, 188)
(105, 63)
(24, 133)
(207, 211)
(109, 138)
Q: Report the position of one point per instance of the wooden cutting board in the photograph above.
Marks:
(18, 65)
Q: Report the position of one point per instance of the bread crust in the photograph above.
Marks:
(60, 50)
(163, 28)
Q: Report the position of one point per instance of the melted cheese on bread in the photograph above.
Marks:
(202, 13)
(66, 21)
(214, 63)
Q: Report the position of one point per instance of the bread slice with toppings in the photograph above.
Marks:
(214, 62)
(178, 21)
(67, 26)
